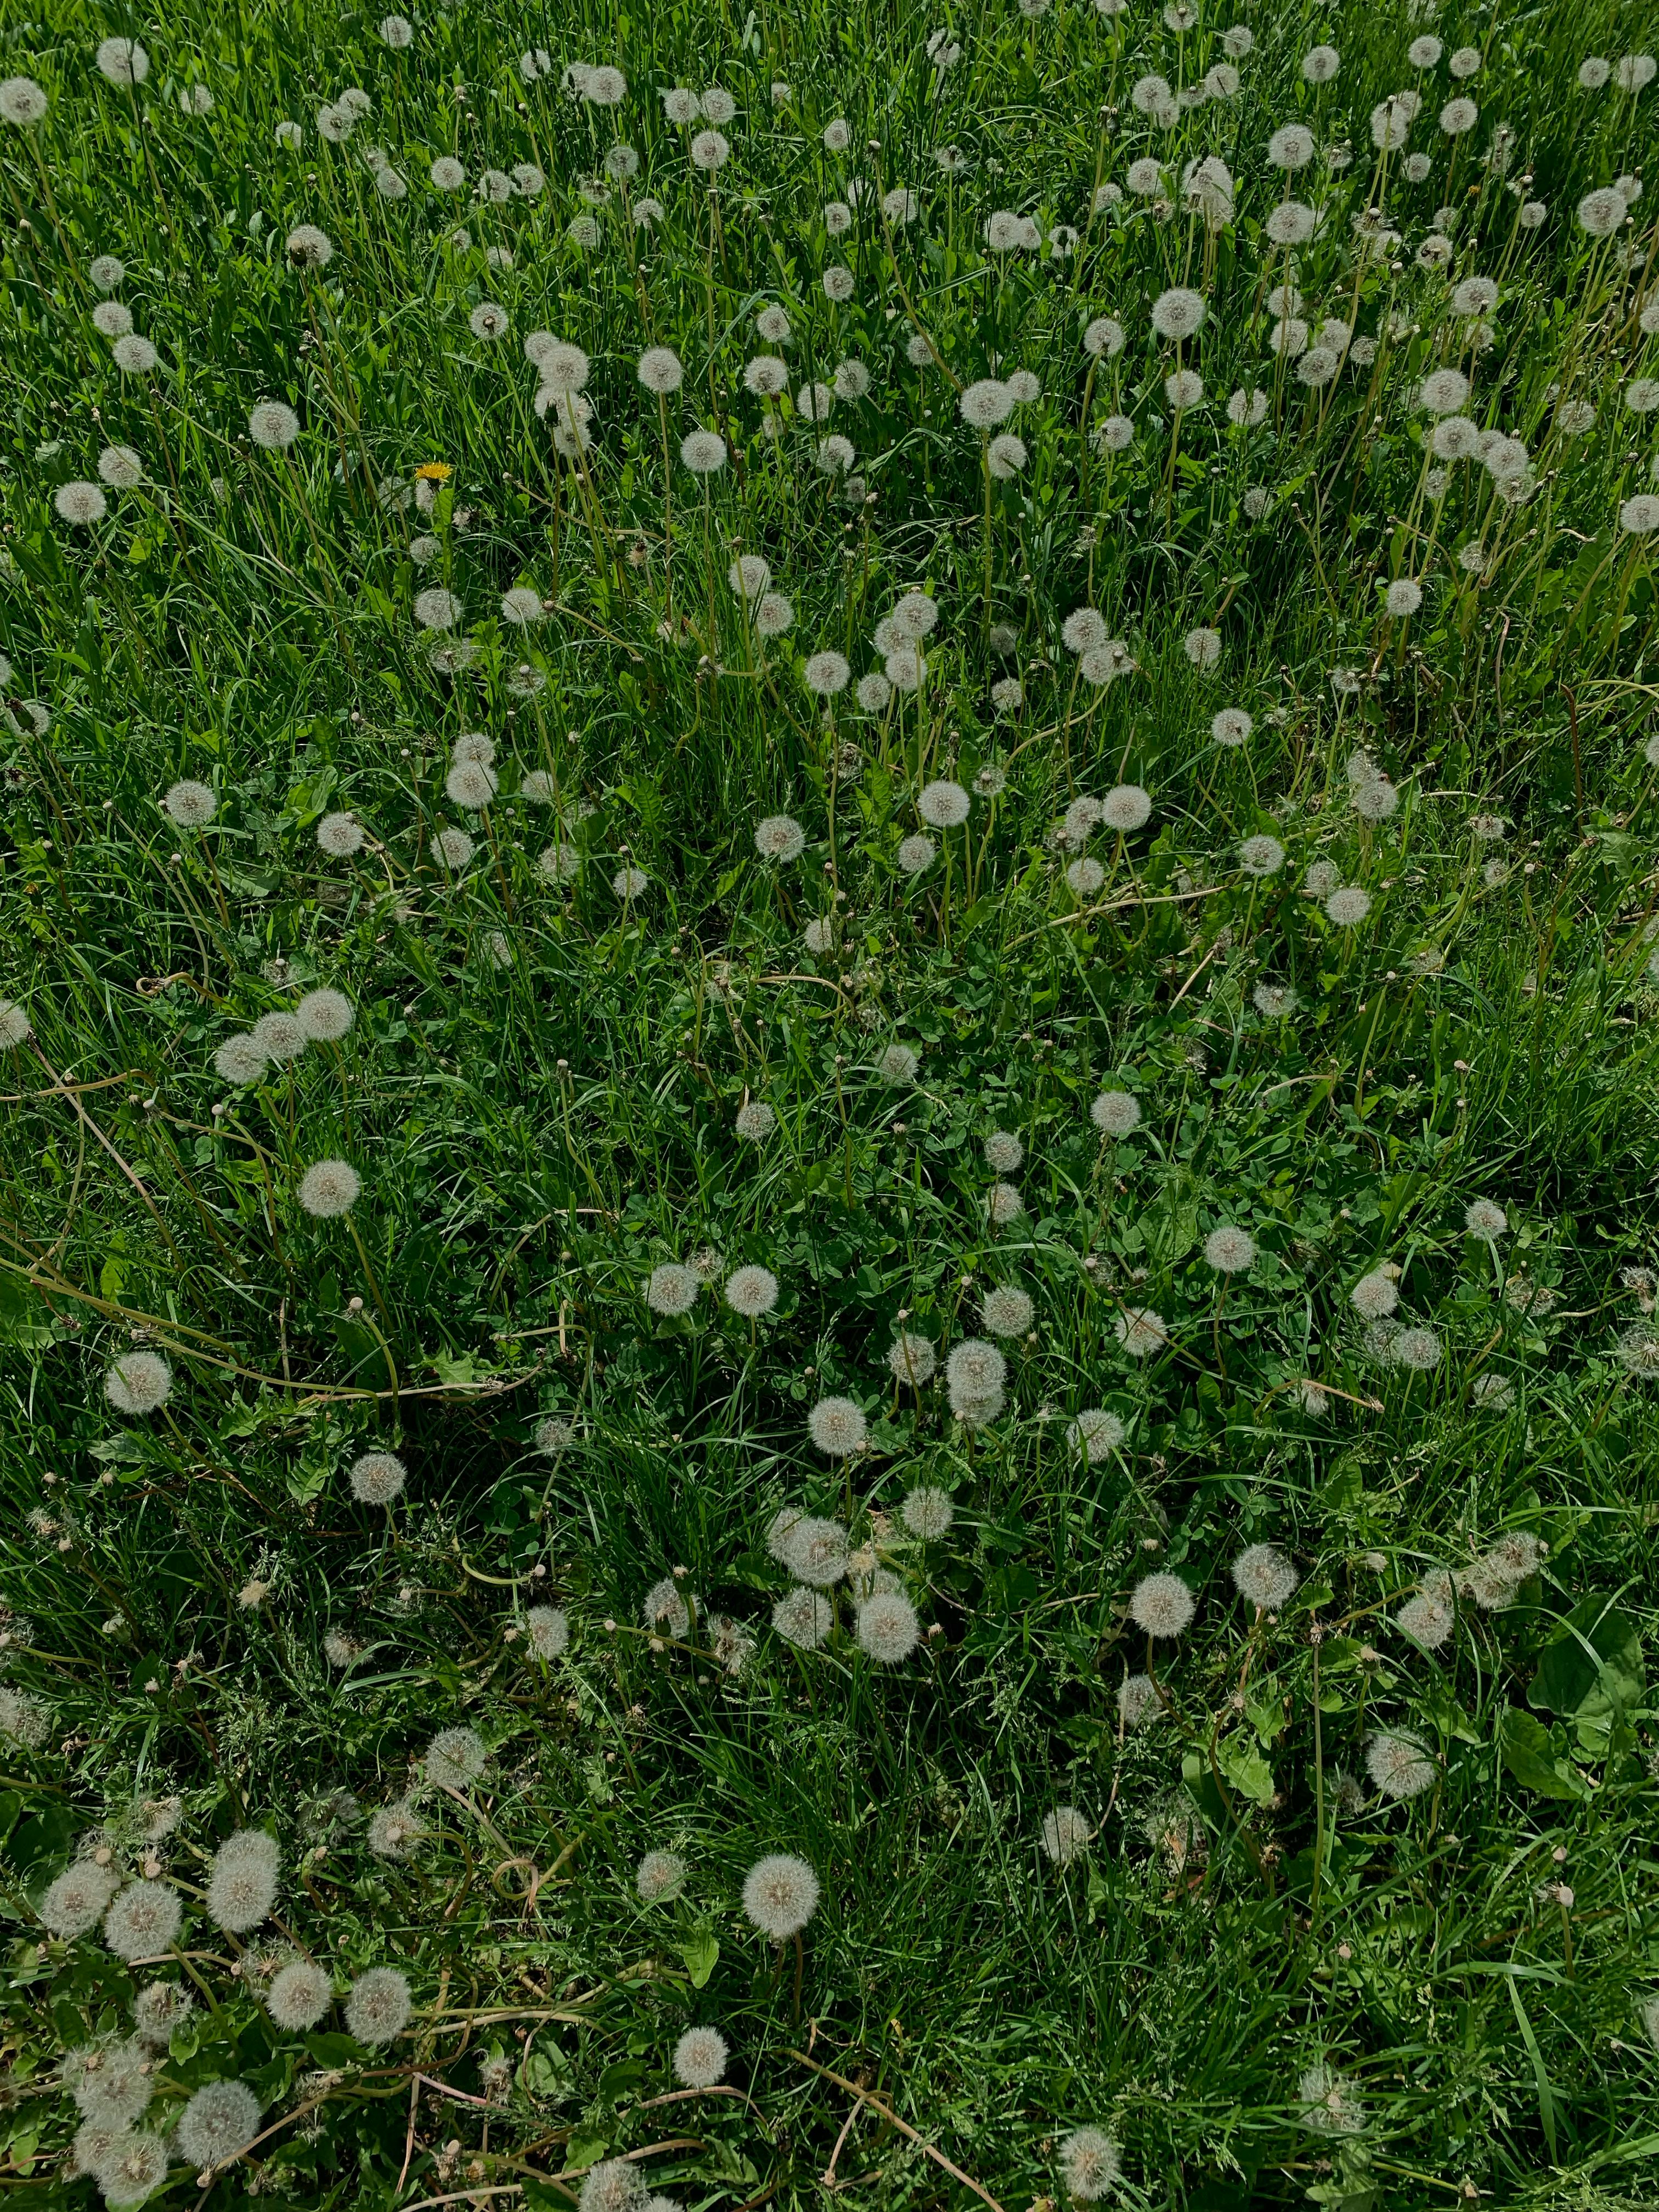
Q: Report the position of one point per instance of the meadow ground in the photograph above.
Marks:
(829, 951)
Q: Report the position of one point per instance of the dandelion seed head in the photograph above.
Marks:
(144, 1921)
(1065, 1834)
(838, 1426)
(1602, 212)
(329, 1189)
(299, 1995)
(781, 1895)
(138, 1382)
(75, 1901)
(1115, 1113)
(122, 61)
(242, 1883)
(803, 1617)
(887, 1628)
(911, 1359)
(80, 502)
(751, 1291)
(700, 2058)
(1095, 1433)
(1162, 1604)
(985, 402)
(379, 2005)
(660, 1877)
(1330, 2103)
(1291, 147)
(1398, 1766)
(1418, 1349)
(927, 1512)
(612, 2186)
(1178, 312)
(1261, 855)
(1089, 2161)
(133, 356)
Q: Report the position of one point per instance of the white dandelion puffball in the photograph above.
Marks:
(547, 1630)
(122, 61)
(912, 1358)
(1006, 1311)
(1115, 1113)
(1162, 1604)
(1095, 1433)
(1126, 806)
(242, 1882)
(1065, 1834)
(672, 1289)
(299, 1994)
(660, 1877)
(943, 804)
(1091, 2164)
(1178, 312)
(80, 502)
(660, 370)
(781, 1895)
(378, 2007)
(803, 1617)
(76, 1902)
(23, 102)
(751, 1291)
(133, 356)
(308, 247)
(190, 804)
(827, 673)
(220, 2119)
(143, 1921)
(703, 452)
(927, 1512)
(138, 1382)
(1264, 1577)
(699, 2057)
(887, 1628)
(1400, 1765)
(780, 837)
(329, 1189)
(437, 609)
(1141, 1332)
(986, 404)
(1230, 1250)
(376, 1477)
(120, 468)
(837, 1427)
(756, 1121)
(1262, 856)
(272, 426)
(1485, 1219)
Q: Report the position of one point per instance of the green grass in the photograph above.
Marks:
(539, 1087)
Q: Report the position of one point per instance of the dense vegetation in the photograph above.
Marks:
(827, 1001)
